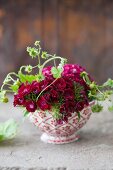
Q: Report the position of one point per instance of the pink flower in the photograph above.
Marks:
(47, 71)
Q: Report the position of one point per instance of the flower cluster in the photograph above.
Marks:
(68, 94)
(62, 89)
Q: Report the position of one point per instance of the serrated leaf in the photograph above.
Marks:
(8, 130)
(33, 52)
(78, 114)
(39, 77)
(3, 97)
(56, 72)
(97, 108)
(14, 87)
(109, 83)
(27, 78)
(26, 113)
(85, 77)
(110, 108)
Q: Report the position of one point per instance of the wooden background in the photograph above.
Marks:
(81, 30)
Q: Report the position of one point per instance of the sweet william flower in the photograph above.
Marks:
(67, 107)
(47, 97)
(69, 94)
(18, 100)
(80, 106)
(35, 87)
(42, 104)
(31, 106)
(24, 89)
(47, 71)
(54, 95)
(60, 84)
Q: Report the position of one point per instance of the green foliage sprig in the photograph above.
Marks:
(99, 93)
(13, 80)
(8, 130)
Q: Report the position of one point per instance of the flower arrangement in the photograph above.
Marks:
(63, 89)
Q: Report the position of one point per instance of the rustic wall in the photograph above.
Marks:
(80, 30)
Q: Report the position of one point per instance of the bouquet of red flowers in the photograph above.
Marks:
(62, 89)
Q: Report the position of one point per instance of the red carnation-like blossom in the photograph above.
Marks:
(42, 104)
(31, 106)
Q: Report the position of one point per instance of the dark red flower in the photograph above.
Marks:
(42, 104)
(80, 106)
(67, 107)
(35, 87)
(24, 89)
(44, 83)
(47, 96)
(31, 106)
(54, 95)
(60, 84)
(69, 94)
(18, 100)
(69, 82)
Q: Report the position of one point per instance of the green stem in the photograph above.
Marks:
(35, 66)
(13, 73)
(57, 57)
(12, 79)
(46, 88)
(23, 67)
(39, 60)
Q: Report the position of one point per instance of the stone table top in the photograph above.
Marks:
(94, 149)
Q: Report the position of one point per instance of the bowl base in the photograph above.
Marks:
(59, 140)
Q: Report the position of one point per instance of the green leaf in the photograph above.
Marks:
(33, 52)
(3, 97)
(85, 77)
(97, 108)
(78, 89)
(56, 112)
(27, 78)
(110, 108)
(78, 114)
(109, 83)
(56, 72)
(39, 77)
(2, 94)
(8, 130)
(25, 113)
(14, 88)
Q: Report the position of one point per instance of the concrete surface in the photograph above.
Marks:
(94, 150)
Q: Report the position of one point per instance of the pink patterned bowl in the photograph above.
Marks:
(60, 134)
